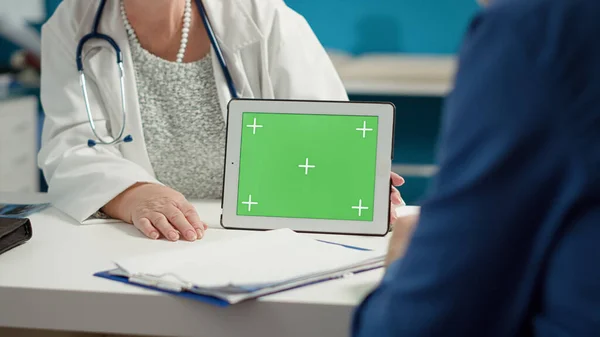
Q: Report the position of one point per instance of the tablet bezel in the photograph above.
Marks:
(379, 226)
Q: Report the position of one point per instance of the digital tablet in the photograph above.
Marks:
(311, 166)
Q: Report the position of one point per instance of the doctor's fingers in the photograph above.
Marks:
(178, 220)
(160, 222)
(395, 197)
(192, 216)
(397, 180)
(393, 215)
(145, 226)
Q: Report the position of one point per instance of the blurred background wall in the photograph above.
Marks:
(402, 28)
(399, 26)
(391, 50)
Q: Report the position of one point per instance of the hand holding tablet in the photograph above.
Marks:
(309, 166)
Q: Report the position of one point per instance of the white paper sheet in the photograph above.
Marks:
(259, 258)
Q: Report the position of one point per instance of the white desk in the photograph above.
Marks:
(47, 283)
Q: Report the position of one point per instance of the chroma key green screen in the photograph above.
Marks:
(307, 166)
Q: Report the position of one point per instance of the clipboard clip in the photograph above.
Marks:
(157, 282)
(348, 275)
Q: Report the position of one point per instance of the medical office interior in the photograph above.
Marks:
(384, 50)
(399, 51)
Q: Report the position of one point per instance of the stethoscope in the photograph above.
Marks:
(94, 34)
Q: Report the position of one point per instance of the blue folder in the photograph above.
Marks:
(185, 294)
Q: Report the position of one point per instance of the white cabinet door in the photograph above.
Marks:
(18, 145)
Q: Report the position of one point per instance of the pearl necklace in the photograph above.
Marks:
(187, 18)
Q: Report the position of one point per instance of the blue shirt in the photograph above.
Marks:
(508, 243)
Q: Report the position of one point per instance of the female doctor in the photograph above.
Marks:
(135, 149)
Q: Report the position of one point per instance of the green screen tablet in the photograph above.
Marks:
(309, 166)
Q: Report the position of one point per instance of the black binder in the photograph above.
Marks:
(13, 232)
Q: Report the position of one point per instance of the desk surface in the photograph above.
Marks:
(48, 283)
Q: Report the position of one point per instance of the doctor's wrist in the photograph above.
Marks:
(120, 207)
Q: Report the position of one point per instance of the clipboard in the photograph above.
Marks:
(219, 302)
(226, 294)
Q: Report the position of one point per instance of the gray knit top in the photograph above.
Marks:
(182, 121)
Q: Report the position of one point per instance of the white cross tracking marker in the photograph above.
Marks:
(250, 203)
(254, 126)
(360, 207)
(306, 167)
(364, 129)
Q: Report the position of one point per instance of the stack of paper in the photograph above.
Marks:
(247, 267)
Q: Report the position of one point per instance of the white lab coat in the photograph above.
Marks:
(271, 53)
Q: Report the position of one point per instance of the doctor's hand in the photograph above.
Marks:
(395, 197)
(157, 210)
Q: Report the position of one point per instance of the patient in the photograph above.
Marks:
(508, 241)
